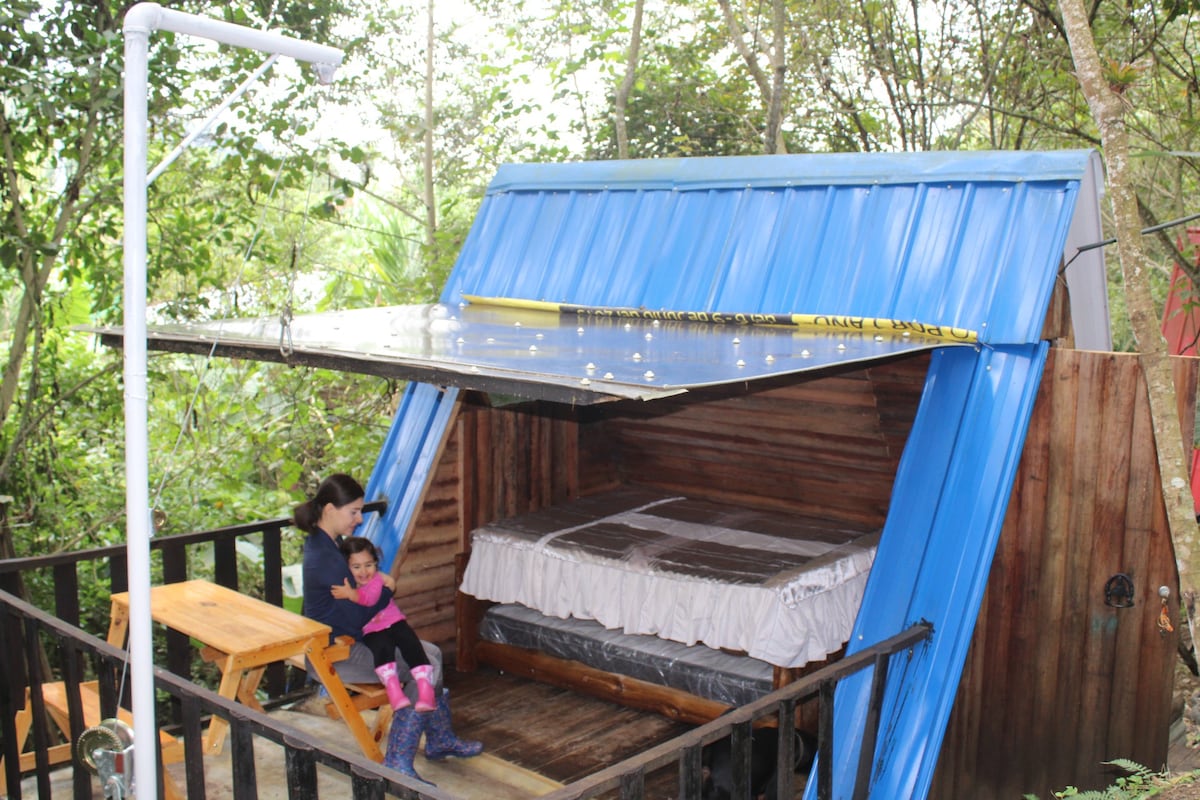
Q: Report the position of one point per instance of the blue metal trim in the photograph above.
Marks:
(948, 507)
(405, 463)
(825, 169)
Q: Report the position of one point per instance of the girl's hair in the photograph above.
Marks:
(338, 489)
(359, 544)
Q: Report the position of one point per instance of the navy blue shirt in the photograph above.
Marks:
(324, 567)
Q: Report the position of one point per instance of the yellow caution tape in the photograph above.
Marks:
(822, 321)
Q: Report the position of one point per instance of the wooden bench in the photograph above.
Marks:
(54, 695)
(363, 696)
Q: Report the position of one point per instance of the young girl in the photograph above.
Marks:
(387, 631)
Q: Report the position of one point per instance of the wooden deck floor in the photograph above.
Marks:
(558, 733)
(555, 732)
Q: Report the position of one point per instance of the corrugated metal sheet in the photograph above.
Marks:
(949, 502)
(969, 240)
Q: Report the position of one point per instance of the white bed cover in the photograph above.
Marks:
(653, 567)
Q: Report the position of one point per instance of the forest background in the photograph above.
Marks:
(305, 198)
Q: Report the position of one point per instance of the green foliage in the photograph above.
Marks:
(681, 106)
(61, 420)
(1139, 782)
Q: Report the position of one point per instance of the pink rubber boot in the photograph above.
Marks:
(426, 700)
(391, 683)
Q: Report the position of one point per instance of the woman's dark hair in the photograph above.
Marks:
(359, 544)
(338, 489)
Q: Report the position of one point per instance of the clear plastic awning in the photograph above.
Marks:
(564, 356)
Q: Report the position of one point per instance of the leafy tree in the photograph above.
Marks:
(1104, 89)
(680, 106)
(60, 179)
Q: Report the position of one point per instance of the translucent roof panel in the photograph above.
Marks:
(574, 356)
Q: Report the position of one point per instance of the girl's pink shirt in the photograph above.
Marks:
(368, 593)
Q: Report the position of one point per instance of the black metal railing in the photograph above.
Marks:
(79, 655)
(85, 656)
(628, 777)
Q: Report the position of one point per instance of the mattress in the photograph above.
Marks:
(781, 588)
(699, 670)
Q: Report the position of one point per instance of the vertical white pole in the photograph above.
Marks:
(140, 21)
(137, 472)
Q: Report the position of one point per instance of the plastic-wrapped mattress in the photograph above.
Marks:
(779, 587)
(699, 670)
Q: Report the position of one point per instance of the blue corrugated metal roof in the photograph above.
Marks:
(965, 241)
(970, 240)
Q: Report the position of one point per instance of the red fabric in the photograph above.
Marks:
(1181, 316)
(1195, 482)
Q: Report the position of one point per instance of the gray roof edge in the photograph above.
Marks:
(820, 169)
(1086, 273)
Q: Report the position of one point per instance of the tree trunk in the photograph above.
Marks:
(621, 102)
(1108, 110)
(778, 62)
(773, 140)
(36, 266)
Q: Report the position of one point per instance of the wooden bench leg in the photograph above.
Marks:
(24, 722)
(319, 658)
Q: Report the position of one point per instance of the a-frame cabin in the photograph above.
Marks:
(937, 371)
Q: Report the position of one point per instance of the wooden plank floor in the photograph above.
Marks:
(555, 732)
(558, 733)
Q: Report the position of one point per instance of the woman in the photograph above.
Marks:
(334, 512)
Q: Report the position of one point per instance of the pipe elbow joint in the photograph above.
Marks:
(142, 18)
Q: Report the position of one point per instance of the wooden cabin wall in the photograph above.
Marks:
(426, 582)
(1056, 681)
(827, 447)
(495, 463)
(523, 458)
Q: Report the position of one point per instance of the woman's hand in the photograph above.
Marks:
(344, 592)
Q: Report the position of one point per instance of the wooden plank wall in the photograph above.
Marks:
(425, 580)
(827, 447)
(1057, 681)
(495, 463)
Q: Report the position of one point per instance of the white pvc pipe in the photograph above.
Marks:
(140, 21)
(151, 16)
(137, 472)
